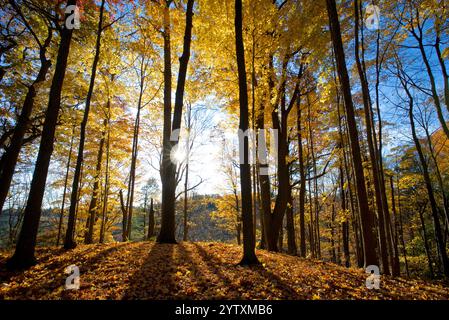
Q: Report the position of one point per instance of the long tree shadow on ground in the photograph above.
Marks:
(259, 274)
(189, 271)
(51, 270)
(155, 278)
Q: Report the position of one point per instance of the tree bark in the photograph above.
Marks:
(249, 254)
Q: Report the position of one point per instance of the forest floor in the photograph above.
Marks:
(144, 270)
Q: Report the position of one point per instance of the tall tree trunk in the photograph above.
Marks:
(124, 215)
(186, 181)
(61, 213)
(401, 226)
(281, 237)
(134, 153)
(396, 264)
(392, 244)
(332, 227)
(184, 237)
(262, 243)
(106, 178)
(370, 133)
(151, 221)
(316, 228)
(366, 217)
(311, 222)
(291, 239)
(344, 224)
(249, 254)
(24, 254)
(93, 206)
(168, 169)
(262, 169)
(348, 169)
(302, 186)
(238, 220)
(70, 241)
(426, 243)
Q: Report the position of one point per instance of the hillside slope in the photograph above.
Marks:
(144, 270)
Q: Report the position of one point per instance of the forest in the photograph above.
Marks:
(224, 149)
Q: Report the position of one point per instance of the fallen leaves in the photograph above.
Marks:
(197, 271)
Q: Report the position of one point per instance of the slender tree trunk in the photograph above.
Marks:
(311, 223)
(24, 254)
(396, 229)
(134, 153)
(106, 179)
(332, 227)
(61, 214)
(316, 228)
(186, 181)
(372, 150)
(238, 222)
(145, 203)
(291, 239)
(249, 254)
(349, 176)
(262, 169)
(401, 228)
(426, 243)
(151, 221)
(344, 162)
(184, 237)
(281, 237)
(302, 186)
(124, 216)
(392, 244)
(364, 210)
(345, 224)
(70, 241)
(94, 206)
(262, 244)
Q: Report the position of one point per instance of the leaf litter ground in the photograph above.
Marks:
(145, 270)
